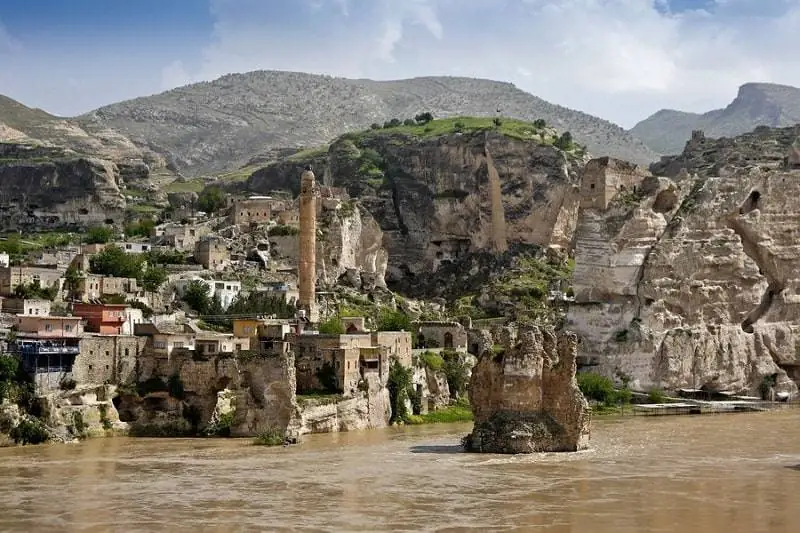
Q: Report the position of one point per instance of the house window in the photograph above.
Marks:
(30, 311)
(160, 345)
(127, 246)
(126, 352)
(48, 327)
(179, 344)
(238, 347)
(591, 186)
(107, 354)
(248, 329)
(90, 367)
(68, 327)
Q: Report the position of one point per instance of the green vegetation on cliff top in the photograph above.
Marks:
(516, 129)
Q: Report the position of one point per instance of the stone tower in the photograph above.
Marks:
(307, 267)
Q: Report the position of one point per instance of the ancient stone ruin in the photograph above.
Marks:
(526, 399)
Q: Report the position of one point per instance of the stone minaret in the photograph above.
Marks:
(307, 267)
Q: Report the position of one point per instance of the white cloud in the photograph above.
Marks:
(619, 59)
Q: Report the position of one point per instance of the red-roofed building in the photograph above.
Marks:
(102, 318)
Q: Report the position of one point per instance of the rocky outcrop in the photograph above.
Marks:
(431, 196)
(48, 186)
(692, 283)
(527, 399)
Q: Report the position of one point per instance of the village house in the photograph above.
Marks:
(252, 210)
(164, 340)
(135, 247)
(348, 357)
(107, 358)
(447, 335)
(102, 318)
(212, 253)
(286, 291)
(182, 238)
(48, 346)
(93, 287)
(5, 260)
(267, 336)
(209, 343)
(13, 276)
(27, 306)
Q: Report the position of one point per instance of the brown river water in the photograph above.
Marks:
(717, 473)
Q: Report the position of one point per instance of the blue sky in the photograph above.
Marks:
(618, 59)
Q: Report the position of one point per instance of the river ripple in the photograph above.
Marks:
(727, 473)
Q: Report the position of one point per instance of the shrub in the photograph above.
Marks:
(332, 326)
(282, 230)
(141, 228)
(104, 417)
(196, 296)
(656, 395)
(375, 126)
(457, 373)
(29, 431)
(99, 235)
(564, 142)
(395, 122)
(497, 121)
(539, 123)
(394, 321)
(220, 427)
(432, 360)
(270, 437)
(458, 126)
(79, 427)
(153, 278)
(113, 261)
(409, 122)
(596, 387)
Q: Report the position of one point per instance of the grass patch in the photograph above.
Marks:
(238, 175)
(310, 153)
(516, 129)
(195, 185)
(459, 412)
(318, 398)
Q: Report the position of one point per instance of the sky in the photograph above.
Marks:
(621, 60)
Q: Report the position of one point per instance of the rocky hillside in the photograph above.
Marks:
(213, 126)
(692, 280)
(429, 188)
(52, 187)
(757, 104)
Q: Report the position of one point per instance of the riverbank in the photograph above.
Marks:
(459, 412)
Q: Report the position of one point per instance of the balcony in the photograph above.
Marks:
(47, 349)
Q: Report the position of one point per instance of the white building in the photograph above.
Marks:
(135, 247)
(4, 259)
(226, 291)
(133, 316)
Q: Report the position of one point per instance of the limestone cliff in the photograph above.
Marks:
(430, 192)
(50, 186)
(527, 399)
(691, 282)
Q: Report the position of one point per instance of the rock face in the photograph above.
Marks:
(431, 196)
(527, 399)
(693, 283)
(49, 186)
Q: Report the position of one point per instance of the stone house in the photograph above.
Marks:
(287, 291)
(212, 253)
(447, 335)
(182, 238)
(209, 343)
(135, 247)
(604, 177)
(353, 324)
(93, 287)
(252, 210)
(164, 340)
(102, 318)
(19, 306)
(349, 357)
(267, 336)
(13, 276)
(108, 359)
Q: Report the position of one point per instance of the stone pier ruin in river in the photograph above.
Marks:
(526, 399)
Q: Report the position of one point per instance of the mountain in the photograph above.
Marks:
(757, 104)
(210, 127)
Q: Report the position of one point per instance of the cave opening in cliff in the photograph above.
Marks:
(751, 203)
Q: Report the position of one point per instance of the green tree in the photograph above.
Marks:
(394, 321)
(165, 257)
(142, 228)
(72, 278)
(457, 374)
(113, 261)
(211, 200)
(424, 118)
(153, 278)
(375, 126)
(539, 123)
(197, 297)
(9, 368)
(99, 235)
(409, 122)
(395, 122)
(398, 384)
(564, 142)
